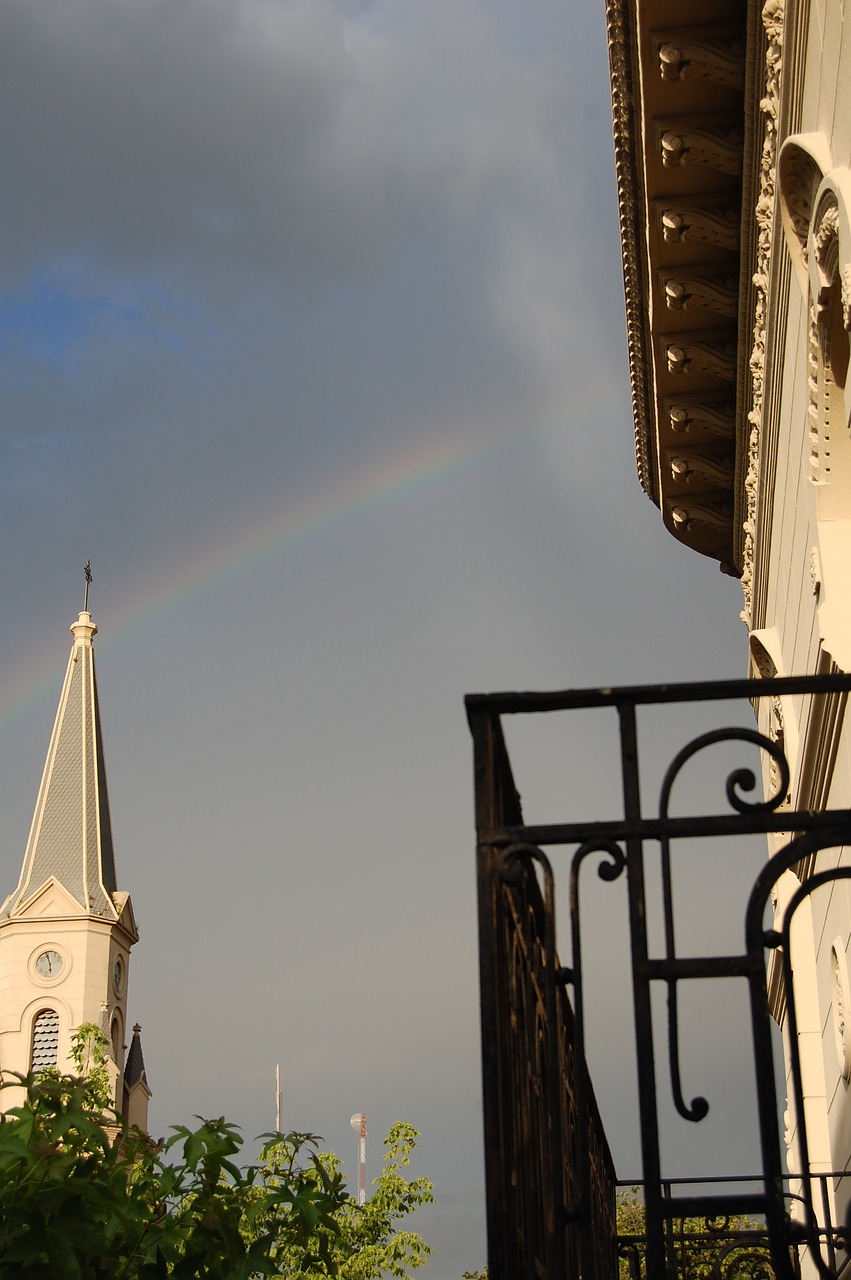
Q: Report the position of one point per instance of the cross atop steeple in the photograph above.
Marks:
(87, 571)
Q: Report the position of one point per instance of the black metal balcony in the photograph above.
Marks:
(551, 1185)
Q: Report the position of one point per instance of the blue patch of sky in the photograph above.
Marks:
(52, 318)
(46, 321)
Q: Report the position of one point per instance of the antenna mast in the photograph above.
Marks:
(277, 1097)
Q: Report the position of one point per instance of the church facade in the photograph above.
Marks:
(66, 929)
(732, 128)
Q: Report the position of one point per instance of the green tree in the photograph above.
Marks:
(701, 1247)
(89, 1052)
(367, 1242)
(74, 1204)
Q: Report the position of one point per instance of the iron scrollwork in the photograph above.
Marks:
(550, 1177)
(738, 781)
(778, 937)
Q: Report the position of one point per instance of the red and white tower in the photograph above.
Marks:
(358, 1123)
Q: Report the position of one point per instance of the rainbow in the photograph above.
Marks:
(272, 534)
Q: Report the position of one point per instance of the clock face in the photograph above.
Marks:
(118, 974)
(49, 964)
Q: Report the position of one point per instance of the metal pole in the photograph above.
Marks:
(362, 1160)
(358, 1123)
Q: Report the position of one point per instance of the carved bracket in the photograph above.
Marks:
(692, 466)
(716, 517)
(686, 416)
(702, 53)
(718, 148)
(681, 221)
(692, 356)
(711, 291)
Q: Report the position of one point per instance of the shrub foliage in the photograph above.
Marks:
(82, 1199)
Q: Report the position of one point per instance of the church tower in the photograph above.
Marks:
(67, 930)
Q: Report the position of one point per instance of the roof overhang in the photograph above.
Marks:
(690, 123)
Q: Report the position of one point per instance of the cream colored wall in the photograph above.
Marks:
(137, 1106)
(827, 93)
(812, 622)
(90, 948)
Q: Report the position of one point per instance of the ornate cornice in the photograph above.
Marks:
(680, 134)
(625, 122)
(772, 21)
(695, 124)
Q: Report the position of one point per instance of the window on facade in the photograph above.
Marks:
(45, 1047)
(117, 1038)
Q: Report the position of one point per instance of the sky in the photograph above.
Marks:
(312, 340)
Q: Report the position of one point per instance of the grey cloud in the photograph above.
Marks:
(240, 143)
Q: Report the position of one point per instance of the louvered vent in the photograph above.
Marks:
(45, 1040)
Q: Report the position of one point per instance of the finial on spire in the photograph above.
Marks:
(87, 570)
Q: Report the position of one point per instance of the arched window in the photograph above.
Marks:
(117, 1038)
(45, 1044)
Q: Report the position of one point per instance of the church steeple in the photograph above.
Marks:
(67, 930)
(71, 835)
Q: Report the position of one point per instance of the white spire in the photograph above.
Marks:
(71, 834)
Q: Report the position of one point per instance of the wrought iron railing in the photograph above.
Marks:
(549, 1175)
(726, 1248)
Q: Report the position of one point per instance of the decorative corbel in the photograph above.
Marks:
(717, 419)
(720, 226)
(714, 469)
(712, 292)
(689, 356)
(715, 517)
(721, 59)
(717, 148)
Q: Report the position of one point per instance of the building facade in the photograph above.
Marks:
(732, 131)
(66, 929)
